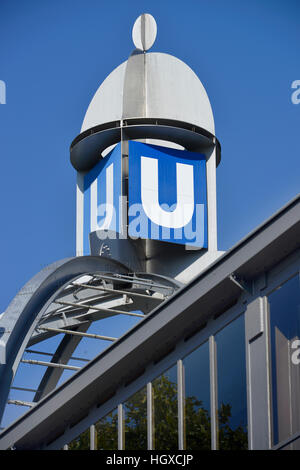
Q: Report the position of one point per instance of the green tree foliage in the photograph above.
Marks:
(165, 414)
(197, 424)
(82, 442)
(107, 432)
(230, 439)
(136, 421)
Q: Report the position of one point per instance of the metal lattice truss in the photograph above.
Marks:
(69, 309)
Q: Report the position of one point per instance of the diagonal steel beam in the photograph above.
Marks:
(78, 333)
(129, 293)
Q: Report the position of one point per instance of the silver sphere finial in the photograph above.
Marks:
(144, 32)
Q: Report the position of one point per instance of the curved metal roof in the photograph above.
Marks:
(151, 85)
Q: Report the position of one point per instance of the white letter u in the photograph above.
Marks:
(106, 209)
(184, 210)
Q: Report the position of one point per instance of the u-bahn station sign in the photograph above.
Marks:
(146, 160)
(166, 196)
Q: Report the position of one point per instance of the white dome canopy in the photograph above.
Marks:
(151, 85)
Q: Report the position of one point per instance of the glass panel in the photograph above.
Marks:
(285, 332)
(135, 409)
(197, 399)
(165, 411)
(232, 389)
(107, 431)
(81, 442)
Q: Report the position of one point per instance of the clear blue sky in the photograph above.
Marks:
(55, 53)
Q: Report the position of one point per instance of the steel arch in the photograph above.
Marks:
(25, 310)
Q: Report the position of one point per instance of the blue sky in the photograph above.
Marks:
(54, 54)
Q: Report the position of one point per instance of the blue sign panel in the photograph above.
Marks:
(102, 197)
(167, 195)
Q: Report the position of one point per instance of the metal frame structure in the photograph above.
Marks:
(263, 260)
(56, 302)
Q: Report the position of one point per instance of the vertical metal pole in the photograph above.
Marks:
(124, 176)
(259, 383)
(93, 445)
(79, 214)
(213, 393)
(121, 436)
(181, 405)
(212, 201)
(150, 420)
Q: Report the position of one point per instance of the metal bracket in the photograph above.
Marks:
(244, 285)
